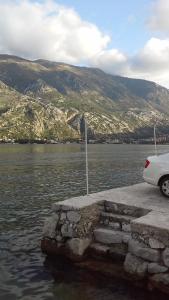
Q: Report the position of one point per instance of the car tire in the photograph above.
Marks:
(164, 186)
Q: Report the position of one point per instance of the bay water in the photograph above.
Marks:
(32, 178)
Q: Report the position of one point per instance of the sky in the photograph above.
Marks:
(121, 37)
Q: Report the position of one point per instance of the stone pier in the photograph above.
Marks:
(126, 226)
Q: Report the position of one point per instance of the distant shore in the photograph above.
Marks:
(96, 141)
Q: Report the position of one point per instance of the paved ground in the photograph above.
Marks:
(139, 195)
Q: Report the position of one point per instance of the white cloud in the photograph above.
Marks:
(154, 57)
(47, 30)
(50, 31)
(152, 62)
(54, 32)
(159, 20)
(112, 61)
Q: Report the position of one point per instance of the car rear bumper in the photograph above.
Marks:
(149, 178)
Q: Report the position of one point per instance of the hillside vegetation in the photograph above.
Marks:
(47, 100)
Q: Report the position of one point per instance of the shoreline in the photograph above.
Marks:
(74, 142)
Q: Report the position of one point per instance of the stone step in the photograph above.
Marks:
(123, 209)
(99, 248)
(109, 236)
(115, 251)
(107, 218)
(98, 251)
(116, 222)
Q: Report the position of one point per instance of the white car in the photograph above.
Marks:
(156, 172)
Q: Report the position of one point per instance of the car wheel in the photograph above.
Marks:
(164, 186)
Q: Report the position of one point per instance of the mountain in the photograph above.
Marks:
(46, 100)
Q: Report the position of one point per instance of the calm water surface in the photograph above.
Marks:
(32, 177)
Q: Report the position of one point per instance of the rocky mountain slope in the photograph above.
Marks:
(46, 100)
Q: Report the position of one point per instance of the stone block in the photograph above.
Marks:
(59, 238)
(108, 236)
(118, 250)
(99, 248)
(63, 216)
(126, 237)
(135, 266)
(144, 252)
(125, 209)
(78, 246)
(155, 244)
(116, 217)
(67, 231)
(126, 227)
(155, 224)
(165, 257)
(135, 211)
(68, 207)
(111, 207)
(160, 281)
(115, 225)
(49, 229)
(154, 268)
(106, 222)
(73, 216)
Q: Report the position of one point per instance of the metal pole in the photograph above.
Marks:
(155, 140)
(86, 151)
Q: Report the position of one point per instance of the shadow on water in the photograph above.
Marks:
(74, 283)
